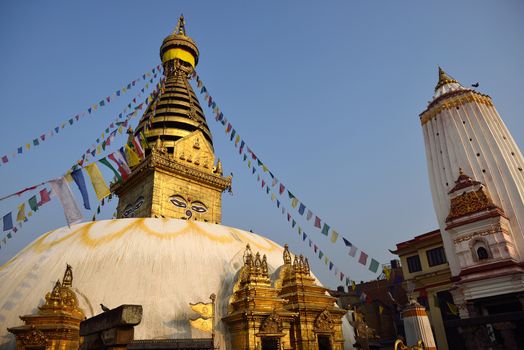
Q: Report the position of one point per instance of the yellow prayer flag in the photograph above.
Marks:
(103, 136)
(30, 213)
(264, 167)
(334, 236)
(68, 176)
(273, 197)
(98, 149)
(27, 145)
(95, 106)
(380, 309)
(99, 185)
(21, 213)
(132, 158)
(326, 260)
(249, 164)
(453, 308)
(205, 310)
(202, 324)
(353, 285)
(294, 202)
(387, 272)
(120, 129)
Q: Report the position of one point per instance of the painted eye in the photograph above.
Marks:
(128, 211)
(178, 201)
(139, 202)
(198, 207)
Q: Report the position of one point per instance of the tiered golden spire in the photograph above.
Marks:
(175, 111)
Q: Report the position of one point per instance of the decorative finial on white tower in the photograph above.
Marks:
(445, 84)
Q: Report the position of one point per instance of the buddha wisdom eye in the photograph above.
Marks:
(127, 211)
(198, 207)
(179, 201)
(139, 202)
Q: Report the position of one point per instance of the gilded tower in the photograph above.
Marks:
(179, 176)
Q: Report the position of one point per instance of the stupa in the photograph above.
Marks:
(168, 252)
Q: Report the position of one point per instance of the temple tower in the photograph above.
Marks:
(477, 183)
(179, 177)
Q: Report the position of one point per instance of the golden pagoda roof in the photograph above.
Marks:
(444, 78)
(175, 112)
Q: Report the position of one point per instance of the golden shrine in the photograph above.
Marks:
(57, 322)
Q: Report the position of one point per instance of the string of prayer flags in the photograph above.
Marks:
(45, 136)
(296, 204)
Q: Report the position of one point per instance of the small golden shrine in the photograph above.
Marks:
(293, 312)
(57, 322)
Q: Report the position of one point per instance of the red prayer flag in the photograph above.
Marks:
(44, 197)
(363, 258)
(317, 221)
(282, 188)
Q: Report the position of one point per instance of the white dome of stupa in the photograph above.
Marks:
(161, 264)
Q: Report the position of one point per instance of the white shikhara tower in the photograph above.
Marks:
(477, 183)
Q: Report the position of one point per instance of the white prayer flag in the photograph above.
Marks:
(63, 192)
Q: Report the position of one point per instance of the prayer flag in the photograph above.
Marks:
(237, 140)
(304, 236)
(131, 156)
(363, 258)
(387, 272)
(325, 229)
(278, 203)
(315, 248)
(380, 309)
(293, 223)
(320, 254)
(21, 213)
(346, 242)
(294, 202)
(20, 150)
(33, 203)
(317, 222)
(62, 190)
(334, 236)
(78, 176)
(228, 128)
(232, 134)
(353, 285)
(138, 146)
(301, 209)
(373, 266)
(35, 142)
(44, 197)
(352, 251)
(282, 188)
(273, 196)
(4, 159)
(330, 266)
(107, 164)
(119, 160)
(347, 282)
(241, 148)
(341, 276)
(8, 221)
(453, 308)
(309, 215)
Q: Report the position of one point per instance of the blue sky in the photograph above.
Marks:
(326, 93)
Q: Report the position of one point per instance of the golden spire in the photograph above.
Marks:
(181, 26)
(287, 255)
(67, 281)
(444, 78)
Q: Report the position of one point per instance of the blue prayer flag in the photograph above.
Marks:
(8, 222)
(78, 176)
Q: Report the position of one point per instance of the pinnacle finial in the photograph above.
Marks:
(181, 26)
(444, 78)
(67, 281)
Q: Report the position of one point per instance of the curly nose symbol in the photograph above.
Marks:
(189, 214)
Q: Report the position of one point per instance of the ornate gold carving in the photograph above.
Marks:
(324, 322)
(272, 324)
(399, 345)
(456, 99)
(34, 338)
(469, 203)
(494, 229)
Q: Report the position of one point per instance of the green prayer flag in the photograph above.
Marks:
(107, 164)
(320, 255)
(325, 229)
(33, 204)
(373, 266)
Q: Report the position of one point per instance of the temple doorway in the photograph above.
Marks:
(324, 342)
(270, 343)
